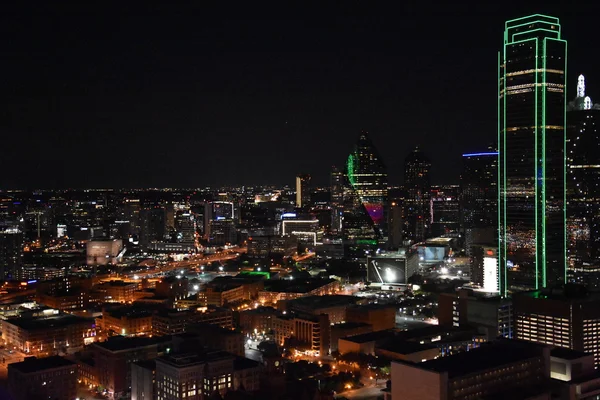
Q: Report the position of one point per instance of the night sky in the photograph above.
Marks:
(187, 96)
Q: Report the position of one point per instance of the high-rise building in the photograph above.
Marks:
(337, 186)
(302, 190)
(479, 198)
(11, 254)
(532, 69)
(219, 222)
(359, 233)
(367, 174)
(153, 220)
(185, 225)
(337, 198)
(417, 187)
(444, 210)
(583, 192)
(568, 317)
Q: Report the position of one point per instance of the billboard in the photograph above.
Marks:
(388, 270)
(432, 253)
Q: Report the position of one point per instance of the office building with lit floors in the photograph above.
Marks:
(43, 378)
(567, 317)
(417, 187)
(505, 369)
(302, 190)
(583, 191)
(11, 254)
(532, 134)
(219, 223)
(367, 175)
(479, 199)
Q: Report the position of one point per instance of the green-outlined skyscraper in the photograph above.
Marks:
(531, 140)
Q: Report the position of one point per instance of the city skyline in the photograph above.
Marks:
(296, 99)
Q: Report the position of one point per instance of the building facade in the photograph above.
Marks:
(532, 134)
(45, 378)
(417, 188)
(583, 192)
(367, 174)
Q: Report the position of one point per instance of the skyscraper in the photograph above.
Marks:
(583, 191)
(219, 222)
(367, 174)
(444, 210)
(417, 187)
(532, 69)
(479, 198)
(302, 190)
(11, 254)
(337, 198)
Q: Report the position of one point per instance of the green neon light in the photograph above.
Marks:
(536, 133)
(351, 166)
(255, 273)
(501, 270)
(544, 232)
(366, 241)
(536, 30)
(555, 19)
(565, 164)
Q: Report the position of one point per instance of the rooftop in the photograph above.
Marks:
(570, 293)
(33, 364)
(146, 364)
(373, 306)
(181, 360)
(371, 336)
(120, 343)
(296, 286)
(406, 347)
(44, 323)
(129, 312)
(486, 357)
(241, 363)
(204, 328)
(118, 283)
(350, 325)
(567, 354)
(314, 302)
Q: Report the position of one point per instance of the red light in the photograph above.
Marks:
(490, 253)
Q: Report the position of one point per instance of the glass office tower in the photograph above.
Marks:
(367, 174)
(531, 137)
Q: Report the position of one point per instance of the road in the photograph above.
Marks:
(364, 393)
(408, 323)
(9, 359)
(194, 262)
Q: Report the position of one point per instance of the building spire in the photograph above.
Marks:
(581, 86)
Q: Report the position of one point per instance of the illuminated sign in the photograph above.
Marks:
(490, 274)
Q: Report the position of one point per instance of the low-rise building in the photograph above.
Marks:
(277, 290)
(117, 291)
(334, 306)
(49, 334)
(500, 369)
(143, 380)
(43, 378)
(126, 321)
(215, 337)
(258, 319)
(347, 329)
(113, 359)
(306, 331)
(173, 322)
(379, 316)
